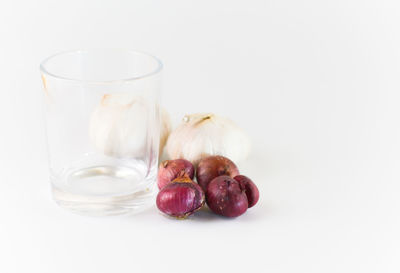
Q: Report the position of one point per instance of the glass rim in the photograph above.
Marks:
(157, 70)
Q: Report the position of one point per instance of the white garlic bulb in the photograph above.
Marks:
(200, 135)
(118, 125)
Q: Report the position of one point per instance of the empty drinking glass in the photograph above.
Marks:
(103, 129)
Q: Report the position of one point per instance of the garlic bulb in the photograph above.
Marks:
(200, 135)
(118, 125)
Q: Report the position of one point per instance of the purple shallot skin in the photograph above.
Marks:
(213, 166)
(225, 197)
(249, 188)
(171, 169)
(180, 198)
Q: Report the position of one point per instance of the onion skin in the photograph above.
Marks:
(249, 188)
(180, 198)
(171, 169)
(225, 197)
(212, 167)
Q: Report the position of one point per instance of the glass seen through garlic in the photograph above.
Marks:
(118, 127)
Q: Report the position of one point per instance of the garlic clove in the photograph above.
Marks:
(203, 134)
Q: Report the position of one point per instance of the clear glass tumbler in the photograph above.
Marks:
(103, 129)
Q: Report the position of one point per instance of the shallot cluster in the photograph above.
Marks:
(219, 184)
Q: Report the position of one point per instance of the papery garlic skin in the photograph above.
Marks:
(200, 135)
(118, 125)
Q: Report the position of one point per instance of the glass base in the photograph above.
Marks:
(104, 190)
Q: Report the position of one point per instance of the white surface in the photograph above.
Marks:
(315, 84)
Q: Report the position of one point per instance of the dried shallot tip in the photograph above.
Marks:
(171, 169)
(225, 197)
(213, 166)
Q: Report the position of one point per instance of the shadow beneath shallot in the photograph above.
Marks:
(204, 215)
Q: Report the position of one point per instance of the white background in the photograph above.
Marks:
(314, 83)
